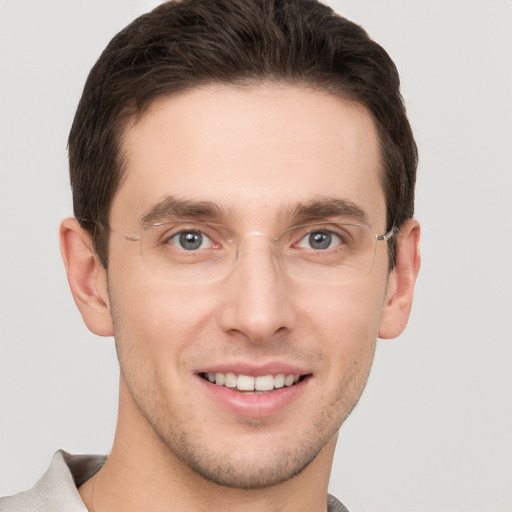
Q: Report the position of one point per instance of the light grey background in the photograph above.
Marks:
(433, 431)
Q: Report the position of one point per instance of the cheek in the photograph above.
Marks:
(155, 322)
(346, 320)
(349, 313)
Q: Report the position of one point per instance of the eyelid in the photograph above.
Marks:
(320, 228)
(184, 222)
(180, 227)
(217, 233)
(338, 229)
(309, 227)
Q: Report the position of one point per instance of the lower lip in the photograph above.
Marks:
(254, 405)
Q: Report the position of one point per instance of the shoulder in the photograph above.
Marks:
(334, 505)
(56, 490)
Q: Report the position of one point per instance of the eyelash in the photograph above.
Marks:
(184, 232)
(167, 239)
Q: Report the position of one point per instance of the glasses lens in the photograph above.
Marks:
(187, 252)
(329, 251)
(191, 252)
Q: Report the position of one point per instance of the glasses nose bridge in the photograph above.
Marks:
(261, 241)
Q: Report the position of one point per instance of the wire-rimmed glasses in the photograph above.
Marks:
(192, 251)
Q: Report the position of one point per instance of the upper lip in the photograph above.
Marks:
(254, 370)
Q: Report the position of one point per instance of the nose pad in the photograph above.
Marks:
(256, 302)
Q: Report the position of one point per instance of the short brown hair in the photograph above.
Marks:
(185, 44)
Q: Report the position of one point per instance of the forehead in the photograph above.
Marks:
(253, 151)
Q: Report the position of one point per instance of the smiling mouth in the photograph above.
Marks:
(248, 383)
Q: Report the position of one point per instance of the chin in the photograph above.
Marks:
(249, 470)
(254, 460)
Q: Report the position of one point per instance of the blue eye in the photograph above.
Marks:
(320, 240)
(190, 240)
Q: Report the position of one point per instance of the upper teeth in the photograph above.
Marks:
(249, 383)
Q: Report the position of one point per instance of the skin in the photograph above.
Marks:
(268, 147)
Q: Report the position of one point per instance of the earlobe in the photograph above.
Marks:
(400, 289)
(87, 278)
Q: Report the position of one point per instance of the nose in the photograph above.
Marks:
(257, 303)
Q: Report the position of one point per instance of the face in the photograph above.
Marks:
(255, 155)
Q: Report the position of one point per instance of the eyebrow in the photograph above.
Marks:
(327, 208)
(172, 207)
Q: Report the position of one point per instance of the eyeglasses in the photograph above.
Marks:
(191, 251)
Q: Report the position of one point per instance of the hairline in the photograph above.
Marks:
(130, 115)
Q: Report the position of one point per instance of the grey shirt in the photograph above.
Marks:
(56, 490)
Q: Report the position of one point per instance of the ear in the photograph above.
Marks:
(86, 276)
(400, 288)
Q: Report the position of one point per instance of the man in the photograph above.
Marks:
(243, 182)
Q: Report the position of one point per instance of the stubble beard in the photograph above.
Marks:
(190, 448)
(244, 471)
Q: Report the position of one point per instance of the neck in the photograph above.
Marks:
(141, 473)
